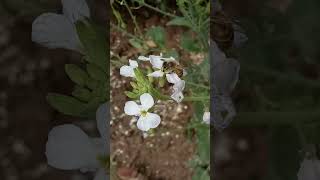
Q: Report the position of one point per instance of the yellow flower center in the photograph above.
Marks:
(143, 113)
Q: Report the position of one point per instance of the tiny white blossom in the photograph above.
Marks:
(206, 117)
(70, 148)
(128, 71)
(146, 119)
(58, 30)
(309, 170)
(178, 88)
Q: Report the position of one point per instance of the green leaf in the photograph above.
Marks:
(135, 43)
(131, 95)
(203, 135)
(76, 74)
(66, 104)
(190, 44)
(96, 73)
(179, 21)
(94, 41)
(200, 174)
(171, 53)
(81, 93)
(158, 35)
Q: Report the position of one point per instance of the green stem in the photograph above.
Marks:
(156, 9)
(199, 98)
(133, 19)
(198, 85)
(125, 32)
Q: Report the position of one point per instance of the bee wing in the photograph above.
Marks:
(225, 76)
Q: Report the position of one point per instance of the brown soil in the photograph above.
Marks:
(164, 155)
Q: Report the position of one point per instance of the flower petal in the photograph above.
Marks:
(206, 117)
(143, 58)
(132, 108)
(178, 97)
(156, 61)
(127, 71)
(179, 86)
(55, 31)
(75, 10)
(101, 175)
(133, 63)
(153, 120)
(142, 124)
(102, 117)
(146, 101)
(173, 78)
(156, 74)
(69, 148)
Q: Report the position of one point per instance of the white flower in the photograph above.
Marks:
(128, 71)
(309, 170)
(157, 63)
(58, 30)
(70, 148)
(206, 117)
(178, 86)
(146, 119)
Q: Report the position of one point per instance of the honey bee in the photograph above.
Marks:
(221, 29)
(173, 67)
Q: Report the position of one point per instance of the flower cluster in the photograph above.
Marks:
(144, 90)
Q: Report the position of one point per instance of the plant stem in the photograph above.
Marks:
(199, 98)
(156, 9)
(133, 19)
(198, 85)
(125, 32)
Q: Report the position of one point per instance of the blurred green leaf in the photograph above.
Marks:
(81, 93)
(96, 73)
(179, 21)
(76, 74)
(200, 174)
(190, 44)
(135, 43)
(203, 136)
(66, 104)
(94, 41)
(157, 34)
